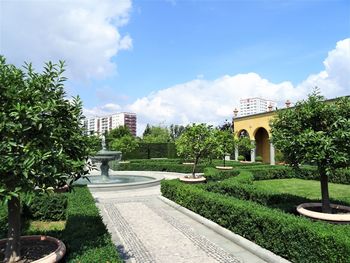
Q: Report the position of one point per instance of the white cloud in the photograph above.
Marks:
(106, 109)
(85, 33)
(201, 100)
(334, 80)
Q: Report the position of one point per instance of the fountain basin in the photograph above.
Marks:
(121, 180)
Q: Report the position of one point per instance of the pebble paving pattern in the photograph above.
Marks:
(139, 243)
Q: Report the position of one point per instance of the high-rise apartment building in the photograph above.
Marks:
(99, 125)
(255, 105)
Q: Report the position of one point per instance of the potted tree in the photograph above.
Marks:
(316, 132)
(196, 142)
(225, 144)
(42, 144)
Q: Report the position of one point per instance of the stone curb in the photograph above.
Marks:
(237, 239)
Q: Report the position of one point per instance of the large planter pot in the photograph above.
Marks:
(311, 210)
(189, 180)
(55, 247)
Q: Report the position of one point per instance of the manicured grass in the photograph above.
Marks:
(304, 188)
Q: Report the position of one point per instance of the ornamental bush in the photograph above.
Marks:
(295, 238)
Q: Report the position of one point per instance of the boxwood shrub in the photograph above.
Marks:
(85, 235)
(159, 166)
(46, 207)
(213, 174)
(340, 176)
(295, 238)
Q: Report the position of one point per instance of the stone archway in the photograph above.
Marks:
(246, 153)
(262, 144)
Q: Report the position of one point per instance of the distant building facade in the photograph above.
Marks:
(99, 125)
(252, 106)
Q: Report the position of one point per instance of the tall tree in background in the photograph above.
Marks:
(116, 133)
(42, 144)
(147, 130)
(316, 132)
(157, 134)
(175, 131)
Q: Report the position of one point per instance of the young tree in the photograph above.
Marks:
(42, 144)
(225, 143)
(197, 141)
(125, 144)
(317, 132)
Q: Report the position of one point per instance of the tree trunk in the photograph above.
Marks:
(224, 161)
(326, 204)
(194, 167)
(12, 253)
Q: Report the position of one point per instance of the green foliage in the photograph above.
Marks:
(214, 175)
(117, 133)
(244, 146)
(46, 207)
(258, 159)
(125, 144)
(294, 238)
(152, 150)
(95, 143)
(85, 235)
(3, 221)
(156, 134)
(158, 165)
(241, 158)
(42, 142)
(225, 143)
(175, 131)
(196, 142)
(315, 131)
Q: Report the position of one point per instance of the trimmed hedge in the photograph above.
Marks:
(295, 238)
(213, 174)
(159, 166)
(152, 150)
(85, 235)
(340, 176)
(46, 207)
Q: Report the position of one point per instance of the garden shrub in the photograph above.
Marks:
(258, 159)
(85, 235)
(241, 158)
(340, 176)
(213, 174)
(159, 166)
(152, 150)
(46, 207)
(295, 238)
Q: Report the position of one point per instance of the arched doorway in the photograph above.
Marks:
(244, 149)
(262, 144)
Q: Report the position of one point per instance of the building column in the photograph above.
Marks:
(272, 154)
(252, 151)
(236, 153)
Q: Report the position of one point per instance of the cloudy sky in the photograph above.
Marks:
(183, 61)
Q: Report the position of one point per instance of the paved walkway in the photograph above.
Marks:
(146, 229)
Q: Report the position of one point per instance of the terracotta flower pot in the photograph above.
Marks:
(57, 246)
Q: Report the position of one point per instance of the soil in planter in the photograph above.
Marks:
(32, 250)
(334, 210)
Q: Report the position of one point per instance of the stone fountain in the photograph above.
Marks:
(104, 156)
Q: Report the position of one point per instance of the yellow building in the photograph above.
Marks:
(257, 128)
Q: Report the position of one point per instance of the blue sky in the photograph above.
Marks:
(183, 61)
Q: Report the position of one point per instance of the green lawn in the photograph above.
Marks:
(305, 188)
